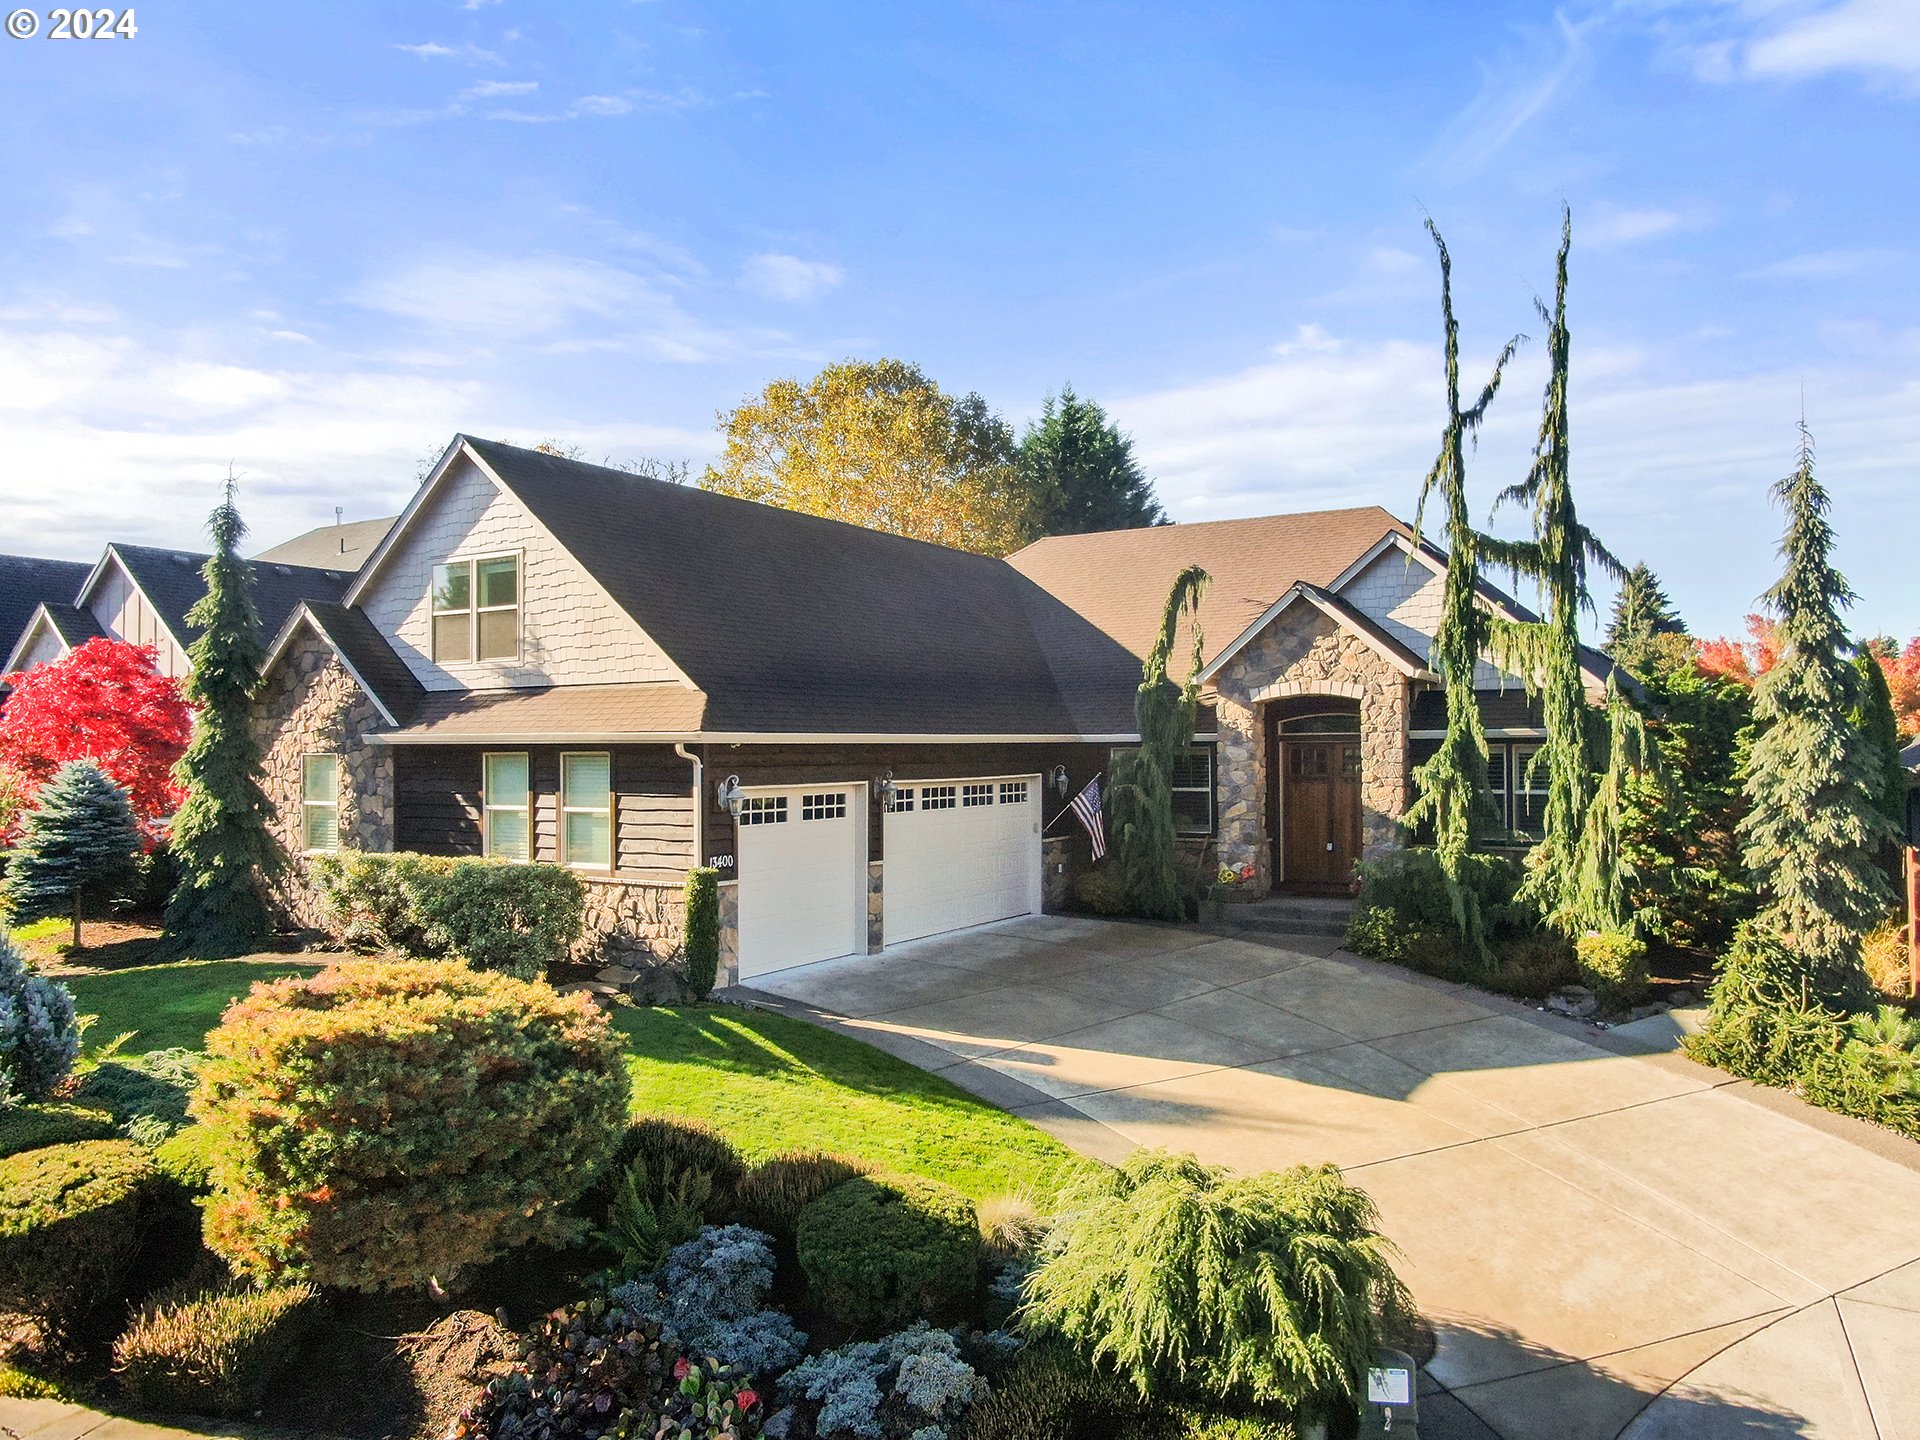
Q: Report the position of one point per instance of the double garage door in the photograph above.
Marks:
(957, 853)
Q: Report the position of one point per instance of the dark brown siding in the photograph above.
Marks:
(803, 764)
(437, 801)
(437, 792)
(1499, 710)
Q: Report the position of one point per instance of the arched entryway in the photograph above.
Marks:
(1314, 777)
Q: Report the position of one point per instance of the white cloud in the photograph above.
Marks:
(434, 50)
(1661, 463)
(602, 105)
(1876, 37)
(1513, 91)
(788, 277)
(494, 89)
(1616, 225)
(1824, 265)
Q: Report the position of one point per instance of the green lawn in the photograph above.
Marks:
(770, 1083)
(166, 1005)
(767, 1082)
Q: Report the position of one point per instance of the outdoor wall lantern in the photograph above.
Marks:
(1059, 780)
(886, 788)
(727, 794)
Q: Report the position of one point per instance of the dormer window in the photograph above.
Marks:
(476, 610)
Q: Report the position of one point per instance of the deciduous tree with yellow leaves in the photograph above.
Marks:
(877, 443)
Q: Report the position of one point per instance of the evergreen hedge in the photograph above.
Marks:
(703, 929)
(70, 1221)
(879, 1252)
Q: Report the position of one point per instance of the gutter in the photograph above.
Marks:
(699, 799)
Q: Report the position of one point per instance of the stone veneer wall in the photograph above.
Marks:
(1056, 875)
(633, 923)
(310, 705)
(1306, 653)
(876, 906)
(729, 967)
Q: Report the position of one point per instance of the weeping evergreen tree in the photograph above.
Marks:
(1576, 874)
(1814, 827)
(219, 836)
(1452, 784)
(1142, 791)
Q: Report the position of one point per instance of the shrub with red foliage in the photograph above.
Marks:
(106, 703)
(1745, 661)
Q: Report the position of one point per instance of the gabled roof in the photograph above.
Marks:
(74, 627)
(26, 581)
(364, 651)
(344, 547)
(170, 579)
(792, 623)
(1119, 579)
(1396, 654)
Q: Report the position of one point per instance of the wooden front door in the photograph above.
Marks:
(1319, 819)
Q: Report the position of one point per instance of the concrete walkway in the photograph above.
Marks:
(1609, 1242)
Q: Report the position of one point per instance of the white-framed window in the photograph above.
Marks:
(763, 810)
(586, 809)
(506, 805)
(901, 801)
(971, 795)
(476, 609)
(831, 805)
(1528, 783)
(1013, 792)
(1192, 786)
(937, 797)
(320, 802)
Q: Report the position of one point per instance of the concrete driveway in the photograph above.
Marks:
(1608, 1242)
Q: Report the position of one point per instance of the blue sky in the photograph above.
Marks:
(313, 241)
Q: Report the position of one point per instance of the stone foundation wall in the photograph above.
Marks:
(1306, 653)
(633, 923)
(310, 705)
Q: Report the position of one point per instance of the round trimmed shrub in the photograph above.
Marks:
(70, 1221)
(386, 1123)
(879, 1251)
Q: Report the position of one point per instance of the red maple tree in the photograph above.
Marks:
(1747, 660)
(104, 702)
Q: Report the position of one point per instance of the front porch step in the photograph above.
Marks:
(1287, 915)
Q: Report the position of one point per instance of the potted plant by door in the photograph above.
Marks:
(1230, 887)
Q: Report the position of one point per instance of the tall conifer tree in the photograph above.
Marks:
(1452, 784)
(1640, 611)
(77, 844)
(1078, 472)
(1814, 828)
(220, 836)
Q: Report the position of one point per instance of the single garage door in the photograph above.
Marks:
(803, 880)
(961, 852)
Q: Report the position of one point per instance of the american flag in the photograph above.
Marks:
(1086, 809)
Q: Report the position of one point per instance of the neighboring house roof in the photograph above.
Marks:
(1119, 579)
(1910, 757)
(790, 623)
(27, 582)
(170, 579)
(344, 547)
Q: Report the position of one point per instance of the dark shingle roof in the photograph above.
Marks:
(27, 582)
(74, 625)
(366, 651)
(794, 623)
(332, 547)
(171, 580)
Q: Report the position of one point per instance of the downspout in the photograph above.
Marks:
(699, 799)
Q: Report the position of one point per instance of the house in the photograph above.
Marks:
(27, 583)
(1910, 762)
(344, 546)
(872, 738)
(141, 594)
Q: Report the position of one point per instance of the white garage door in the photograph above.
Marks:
(961, 852)
(803, 878)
